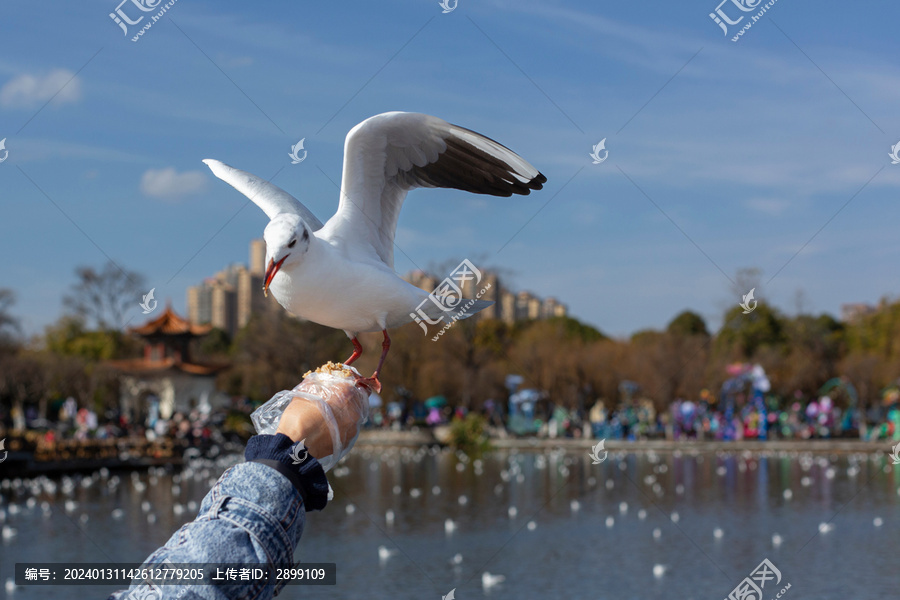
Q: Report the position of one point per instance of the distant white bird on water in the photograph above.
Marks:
(384, 553)
(449, 526)
(341, 273)
(489, 580)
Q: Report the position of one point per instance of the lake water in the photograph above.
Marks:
(636, 526)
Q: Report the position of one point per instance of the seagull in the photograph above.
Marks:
(341, 273)
(489, 580)
(384, 553)
(449, 526)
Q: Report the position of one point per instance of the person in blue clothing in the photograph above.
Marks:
(255, 512)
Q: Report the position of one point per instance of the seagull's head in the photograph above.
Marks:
(287, 241)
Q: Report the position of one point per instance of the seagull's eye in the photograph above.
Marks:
(293, 243)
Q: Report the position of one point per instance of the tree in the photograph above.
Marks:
(744, 334)
(70, 337)
(215, 344)
(574, 329)
(102, 298)
(878, 332)
(21, 380)
(9, 325)
(668, 365)
(274, 350)
(688, 323)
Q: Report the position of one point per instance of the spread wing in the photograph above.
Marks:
(387, 155)
(269, 197)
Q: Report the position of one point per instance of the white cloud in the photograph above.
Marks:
(30, 91)
(169, 184)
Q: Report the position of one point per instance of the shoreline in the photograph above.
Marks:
(424, 437)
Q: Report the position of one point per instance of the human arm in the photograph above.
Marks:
(255, 513)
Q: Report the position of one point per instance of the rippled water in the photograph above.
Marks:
(554, 525)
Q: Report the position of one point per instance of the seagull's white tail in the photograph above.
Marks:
(463, 311)
(478, 306)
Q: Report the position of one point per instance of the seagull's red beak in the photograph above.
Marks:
(270, 273)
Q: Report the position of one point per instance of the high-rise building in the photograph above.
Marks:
(508, 306)
(224, 308)
(552, 308)
(854, 313)
(199, 302)
(233, 295)
(528, 306)
(250, 298)
(490, 283)
(258, 257)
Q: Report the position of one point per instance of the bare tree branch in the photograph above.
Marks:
(104, 297)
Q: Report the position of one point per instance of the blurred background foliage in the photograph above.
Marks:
(574, 363)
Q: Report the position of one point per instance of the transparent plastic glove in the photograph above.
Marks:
(343, 403)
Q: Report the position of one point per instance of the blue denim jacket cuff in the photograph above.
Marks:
(282, 454)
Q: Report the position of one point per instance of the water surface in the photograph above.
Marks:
(553, 524)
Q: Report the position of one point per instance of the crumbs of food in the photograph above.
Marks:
(331, 368)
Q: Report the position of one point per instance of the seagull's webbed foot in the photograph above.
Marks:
(370, 382)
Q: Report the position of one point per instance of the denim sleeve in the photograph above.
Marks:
(253, 515)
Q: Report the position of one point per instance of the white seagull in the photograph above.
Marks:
(341, 274)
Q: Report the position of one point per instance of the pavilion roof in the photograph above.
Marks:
(169, 323)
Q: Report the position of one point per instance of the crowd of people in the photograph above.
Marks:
(199, 427)
(701, 419)
(745, 408)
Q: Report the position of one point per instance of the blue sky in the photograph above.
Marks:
(722, 155)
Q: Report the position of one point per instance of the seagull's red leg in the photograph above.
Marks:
(372, 381)
(385, 346)
(357, 351)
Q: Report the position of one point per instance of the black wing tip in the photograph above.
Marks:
(535, 183)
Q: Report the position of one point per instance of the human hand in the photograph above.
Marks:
(327, 412)
(302, 420)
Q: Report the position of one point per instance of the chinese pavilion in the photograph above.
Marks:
(166, 370)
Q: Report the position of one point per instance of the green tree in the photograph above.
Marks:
(877, 333)
(70, 337)
(688, 323)
(215, 344)
(745, 334)
(573, 329)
